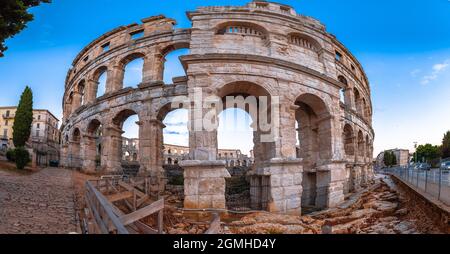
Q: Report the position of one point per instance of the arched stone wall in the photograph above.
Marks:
(249, 51)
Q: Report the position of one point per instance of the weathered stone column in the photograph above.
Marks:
(76, 103)
(153, 70)
(114, 81)
(356, 176)
(151, 157)
(64, 153)
(91, 91)
(204, 175)
(284, 189)
(330, 185)
(204, 184)
(88, 153)
(111, 149)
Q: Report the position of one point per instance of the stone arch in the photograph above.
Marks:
(314, 121)
(348, 138)
(92, 146)
(81, 90)
(162, 59)
(344, 93)
(364, 108)
(123, 63)
(361, 144)
(96, 75)
(264, 151)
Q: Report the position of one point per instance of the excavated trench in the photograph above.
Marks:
(383, 209)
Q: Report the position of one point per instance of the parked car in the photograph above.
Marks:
(423, 166)
(445, 166)
(54, 163)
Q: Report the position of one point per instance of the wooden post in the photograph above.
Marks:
(134, 199)
(161, 221)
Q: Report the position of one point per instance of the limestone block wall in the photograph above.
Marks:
(320, 97)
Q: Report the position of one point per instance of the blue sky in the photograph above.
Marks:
(404, 47)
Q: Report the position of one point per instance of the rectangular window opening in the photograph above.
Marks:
(338, 56)
(137, 34)
(106, 47)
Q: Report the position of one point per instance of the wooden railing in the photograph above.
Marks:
(109, 219)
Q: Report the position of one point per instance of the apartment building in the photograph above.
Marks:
(44, 138)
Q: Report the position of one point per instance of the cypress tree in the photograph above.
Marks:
(23, 119)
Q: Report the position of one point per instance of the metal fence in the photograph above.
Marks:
(435, 182)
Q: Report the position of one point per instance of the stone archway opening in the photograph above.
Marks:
(92, 147)
(124, 136)
(314, 139)
(100, 77)
(133, 70)
(249, 104)
(175, 138)
(235, 143)
(172, 65)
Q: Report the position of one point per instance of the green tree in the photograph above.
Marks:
(23, 119)
(389, 159)
(13, 18)
(22, 128)
(445, 148)
(427, 153)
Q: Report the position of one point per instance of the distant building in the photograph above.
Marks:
(173, 154)
(44, 138)
(130, 149)
(402, 155)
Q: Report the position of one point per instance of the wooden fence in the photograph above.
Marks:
(107, 218)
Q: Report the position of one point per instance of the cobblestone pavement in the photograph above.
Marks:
(39, 203)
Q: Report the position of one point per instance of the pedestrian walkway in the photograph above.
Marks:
(39, 203)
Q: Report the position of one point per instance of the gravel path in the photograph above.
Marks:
(39, 203)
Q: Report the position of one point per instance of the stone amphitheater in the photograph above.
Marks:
(322, 148)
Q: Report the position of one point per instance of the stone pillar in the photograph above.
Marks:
(330, 185)
(204, 175)
(67, 109)
(89, 153)
(356, 177)
(63, 158)
(284, 189)
(151, 155)
(74, 155)
(76, 101)
(204, 184)
(111, 149)
(287, 131)
(115, 77)
(153, 70)
(90, 90)
(349, 98)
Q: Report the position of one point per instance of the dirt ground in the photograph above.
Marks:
(383, 210)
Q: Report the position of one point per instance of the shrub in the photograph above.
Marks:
(11, 155)
(22, 157)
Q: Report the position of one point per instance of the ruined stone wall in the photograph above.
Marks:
(261, 49)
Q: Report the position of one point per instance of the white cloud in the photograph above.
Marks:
(437, 69)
